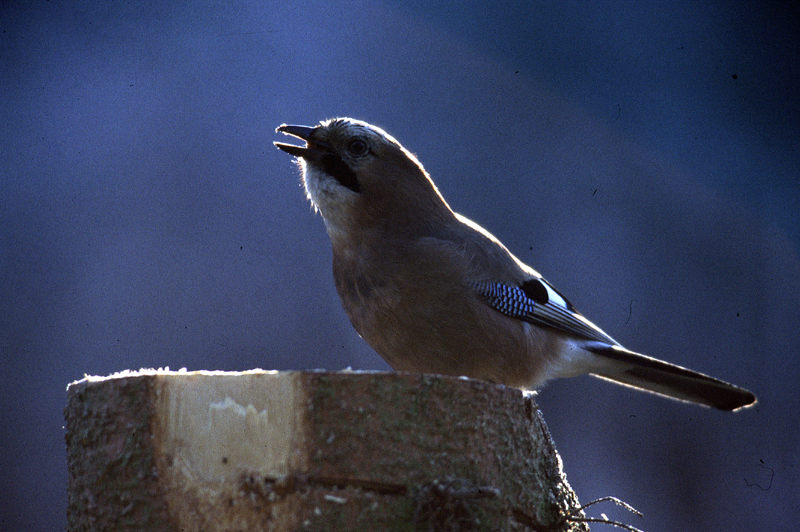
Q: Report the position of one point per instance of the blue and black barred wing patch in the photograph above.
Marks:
(537, 302)
(510, 300)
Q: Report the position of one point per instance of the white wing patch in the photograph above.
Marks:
(553, 296)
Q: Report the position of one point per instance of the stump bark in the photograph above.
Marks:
(265, 450)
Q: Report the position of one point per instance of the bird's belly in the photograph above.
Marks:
(449, 335)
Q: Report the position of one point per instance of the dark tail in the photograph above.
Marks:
(656, 376)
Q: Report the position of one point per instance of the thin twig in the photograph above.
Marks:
(615, 500)
(619, 502)
(609, 522)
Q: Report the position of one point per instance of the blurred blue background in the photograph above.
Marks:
(643, 156)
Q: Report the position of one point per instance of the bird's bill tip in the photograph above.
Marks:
(301, 132)
(297, 151)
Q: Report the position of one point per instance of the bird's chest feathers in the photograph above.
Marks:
(367, 284)
(400, 293)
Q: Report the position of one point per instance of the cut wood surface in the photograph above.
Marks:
(265, 450)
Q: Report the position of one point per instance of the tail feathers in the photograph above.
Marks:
(656, 376)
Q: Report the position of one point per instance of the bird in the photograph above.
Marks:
(431, 291)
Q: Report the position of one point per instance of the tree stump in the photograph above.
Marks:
(266, 450)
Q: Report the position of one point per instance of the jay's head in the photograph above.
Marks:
(359, 176)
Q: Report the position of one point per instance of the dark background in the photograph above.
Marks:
(643, 158)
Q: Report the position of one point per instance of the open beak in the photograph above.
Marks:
(301, 132)
(319, 154)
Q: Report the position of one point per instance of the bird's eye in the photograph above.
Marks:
(357, 147)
